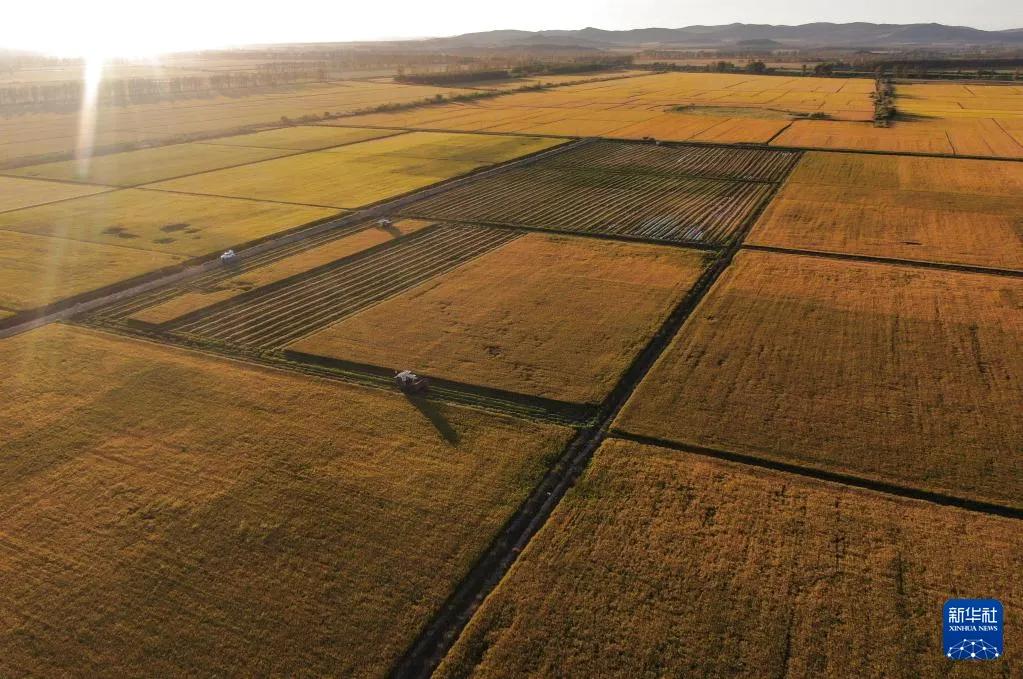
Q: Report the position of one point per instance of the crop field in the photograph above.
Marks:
(733, 108)
(301, 138)
(273, 316)
(593, 192)
(359, 174)
(38, 270)
(166, 510)
(16, 193)
(28, 138)
(700, 161)
(489, 322)
(254, 272)
(133, 168)
(952, 136)
(933, 209)
(910, 376)
(162, 222)
(661, 563)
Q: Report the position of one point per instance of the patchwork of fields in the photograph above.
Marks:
(548, 316)
(355, 175)
(680, 194)
(928, 209)
(208, 210)
(24, 137)
(801, 371)
(908, 376)
(661, 563)
(725, 108)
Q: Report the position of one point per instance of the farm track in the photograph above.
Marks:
(650, 206)
(272, 316)
(437, 638)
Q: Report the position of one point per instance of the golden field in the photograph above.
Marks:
(934, 209)
(166, 513)
(493, 321)
(908, 376)
(39, 270)
(27, 137)
(278, 270)
(133, 168)
(16, 193)
(952, 136)
(160, 221)
(666, 564)
(301, 138)
(360, 174)
(731, 108)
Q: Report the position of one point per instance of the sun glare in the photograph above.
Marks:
(92, 78)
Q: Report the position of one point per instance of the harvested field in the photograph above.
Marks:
(302, 138)
(656, 553)
(638, 205)
(133, 168)
(905, 375)
(39, 270)
(275, 315)
(17, 193)
(360, 174)
(220, 286)
(700, 161)
(492, 321)
(162, 222)
(164, 511)
(621, 189)
(931, 209)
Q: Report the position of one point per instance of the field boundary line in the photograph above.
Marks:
(213, 142)
(110, 189)
(731, 144)
(580, 413)
(281, 363)
(894, 261)
(778, 133)
(434, 641)
(827, 475)
(88, 301)
(687, 245)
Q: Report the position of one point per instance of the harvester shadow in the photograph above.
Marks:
(431, 412)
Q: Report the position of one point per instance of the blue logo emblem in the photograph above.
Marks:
(973, 629)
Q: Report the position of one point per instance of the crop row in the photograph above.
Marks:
(124, 308)
(653, 206)
(719, 162)
(278, 314)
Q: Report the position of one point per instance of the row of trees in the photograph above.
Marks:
(137, 90)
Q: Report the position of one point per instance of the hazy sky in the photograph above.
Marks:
(142, 26)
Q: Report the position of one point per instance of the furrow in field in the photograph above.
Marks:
(309, 302)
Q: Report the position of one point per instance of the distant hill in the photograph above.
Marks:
(759, 36)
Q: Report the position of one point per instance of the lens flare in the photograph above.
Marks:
(87, 119)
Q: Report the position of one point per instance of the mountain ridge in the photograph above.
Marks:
(816, 34)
